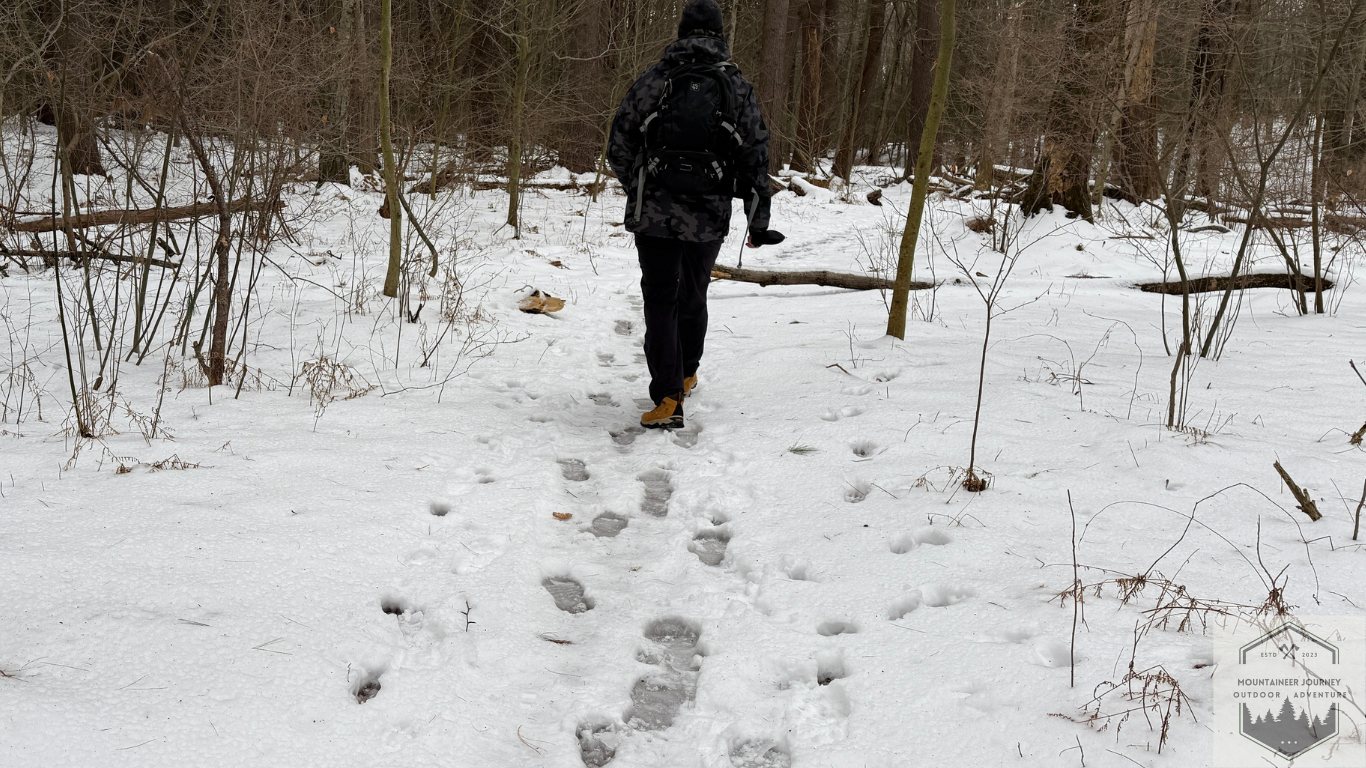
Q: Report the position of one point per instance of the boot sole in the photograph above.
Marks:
(673, 423)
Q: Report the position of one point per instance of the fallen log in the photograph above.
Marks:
(1333, 222)
(485, 185)
(813, 277)
(147, 216)
(49, 256)
(1214, 284)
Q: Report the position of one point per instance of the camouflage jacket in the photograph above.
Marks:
(693, 218)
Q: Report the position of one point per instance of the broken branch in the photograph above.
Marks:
(1306, 504)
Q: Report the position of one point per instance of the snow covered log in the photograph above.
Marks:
(813, 277)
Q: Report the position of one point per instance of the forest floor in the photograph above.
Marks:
(530, 579)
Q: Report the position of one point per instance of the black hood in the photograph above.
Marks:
(704, 50)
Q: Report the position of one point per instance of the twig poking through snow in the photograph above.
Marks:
(1357, 528)
(1076, 600)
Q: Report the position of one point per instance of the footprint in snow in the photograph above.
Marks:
(1054, 653)
(687, 436)
(942, 596)
(830, 667)
(626, 435)
(568, 594)
(657, 699)
(573, 470)
(856, 490)
(410, 620)
(658, 491)
(836, 415)
(603, 399)
(710, 545)
(597, 744)
(758, 754)
(608, 525)
(367, 686)
(624, 327)
(932, 537)
(905, 542)
(864, 449)
(904, 605)
(605, 359)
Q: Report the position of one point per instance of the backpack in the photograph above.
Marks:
(690, 137)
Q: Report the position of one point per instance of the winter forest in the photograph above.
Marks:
(325, 340)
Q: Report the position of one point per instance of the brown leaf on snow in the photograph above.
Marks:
(563, 515)
(539, 303)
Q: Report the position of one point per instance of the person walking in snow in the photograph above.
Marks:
(688, 138)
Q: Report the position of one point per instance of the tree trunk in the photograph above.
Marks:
(1136, 138)
(1214, 56)
(1063, 172)
(519, 87)
(222, 284)
(896, 317)
(773, 77)
(1343, 147)
(362, 123)
(581, 138)
(334, 156)
(487, 99)
(72, 113)
(924, 52)
(386, 139)
(1203, 82)
(879, 136)
(876, 25)
(803, 158)
(831, 63)
(457, 24)
(1001, 105)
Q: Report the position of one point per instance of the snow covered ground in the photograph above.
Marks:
(521, 572)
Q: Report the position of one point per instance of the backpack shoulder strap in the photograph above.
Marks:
(724, 72)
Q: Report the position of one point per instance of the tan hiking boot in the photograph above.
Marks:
(689, 384)
(667, 415)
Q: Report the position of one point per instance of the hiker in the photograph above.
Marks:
(687, 139)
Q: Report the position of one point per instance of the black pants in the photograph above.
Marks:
(673, 279)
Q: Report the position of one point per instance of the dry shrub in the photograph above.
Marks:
(20, 395)
(329, 381)
(1152, 692)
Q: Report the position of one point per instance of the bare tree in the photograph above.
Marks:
(1063, 172)
(861, 96)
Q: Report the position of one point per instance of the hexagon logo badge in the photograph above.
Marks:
(1290, 689)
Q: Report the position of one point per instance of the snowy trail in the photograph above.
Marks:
(793, 580)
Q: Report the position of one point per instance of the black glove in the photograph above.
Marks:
(758, 237)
